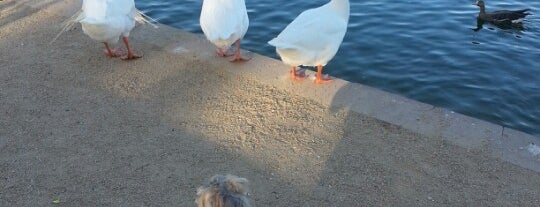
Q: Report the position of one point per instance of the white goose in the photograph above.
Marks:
(106, 20)
(225, 22)
(313, 38)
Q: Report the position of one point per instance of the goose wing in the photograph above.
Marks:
(509, 15)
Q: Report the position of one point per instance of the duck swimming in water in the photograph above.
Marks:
(501, 17)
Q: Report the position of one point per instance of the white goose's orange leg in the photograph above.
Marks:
(238, 57)
(112, 53)
(297, 75)
(130, 55)
(320, 77)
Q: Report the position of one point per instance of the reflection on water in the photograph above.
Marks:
(424, 50)
(479, 24)
(505, 26)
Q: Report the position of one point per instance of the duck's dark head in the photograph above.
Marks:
(480, 3)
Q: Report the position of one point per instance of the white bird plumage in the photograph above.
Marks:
(314, 37)
(224, 22)
(106, 20)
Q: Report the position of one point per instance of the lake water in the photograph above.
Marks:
(425, 50)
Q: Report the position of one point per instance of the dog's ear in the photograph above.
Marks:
(209, 197)
(236, 185)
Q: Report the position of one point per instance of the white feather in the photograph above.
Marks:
(107, 20)
(533, 149)
(314, 37)
(517, 21)
(224, 21)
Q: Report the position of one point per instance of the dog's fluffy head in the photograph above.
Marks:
(223, 191)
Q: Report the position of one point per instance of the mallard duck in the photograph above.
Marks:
(225, 22)
(313, 38)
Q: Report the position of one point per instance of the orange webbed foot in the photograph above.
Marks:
(324, 79)
(321, 79)
(131, 56)
(221, 53)
(298, 74)
(113, 53)
(238, 54)
(240, 59)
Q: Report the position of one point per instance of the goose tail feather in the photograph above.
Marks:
(68, 24)
(142, 18)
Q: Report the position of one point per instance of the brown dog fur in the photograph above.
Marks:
(223, 191)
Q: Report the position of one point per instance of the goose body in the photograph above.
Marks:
(224, 22)
(314, 37)
(501, 16)
(107, 20)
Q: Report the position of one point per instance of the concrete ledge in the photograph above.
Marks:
(422, 118)
(419, 117)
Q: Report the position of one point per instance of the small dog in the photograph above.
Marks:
(223, 191)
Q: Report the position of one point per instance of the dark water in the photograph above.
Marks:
(425, 50)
